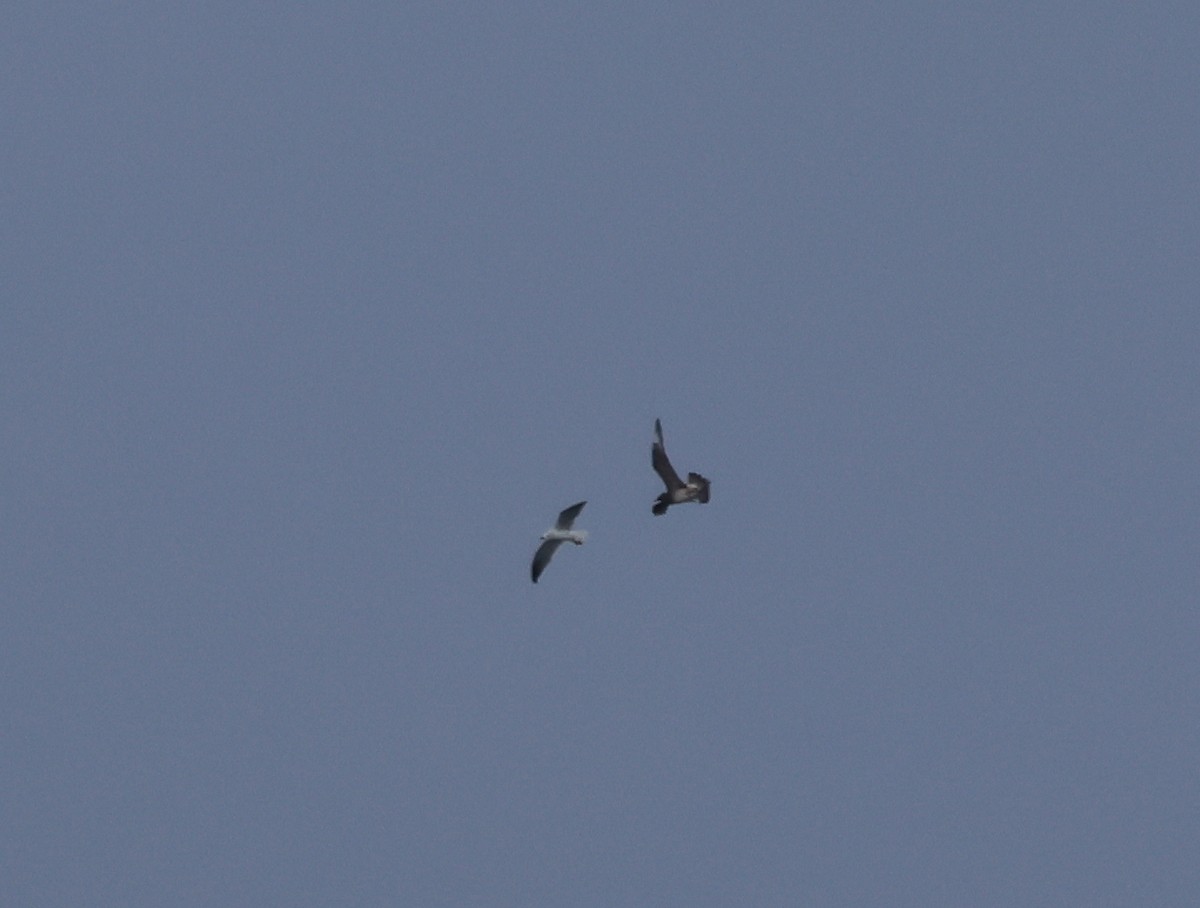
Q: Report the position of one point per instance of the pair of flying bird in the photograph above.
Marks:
(678, 492)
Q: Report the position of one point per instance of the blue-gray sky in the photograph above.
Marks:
(315, 315)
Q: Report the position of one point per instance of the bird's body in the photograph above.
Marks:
(555, 536)
(678, 492)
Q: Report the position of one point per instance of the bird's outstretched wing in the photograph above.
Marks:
(542, 557)
(658, 460)
(567, 517)
(702, 484)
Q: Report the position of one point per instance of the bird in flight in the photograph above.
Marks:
(678, 491)
(553, 538)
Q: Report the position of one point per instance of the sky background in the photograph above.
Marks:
(313, 317)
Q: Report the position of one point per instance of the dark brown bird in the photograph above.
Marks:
(678, 491)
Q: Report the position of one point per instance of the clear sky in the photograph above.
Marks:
(313, 317)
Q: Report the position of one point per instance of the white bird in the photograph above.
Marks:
(553, 538)
(678, 491)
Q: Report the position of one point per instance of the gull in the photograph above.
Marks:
(553, 538)
(678, 491)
